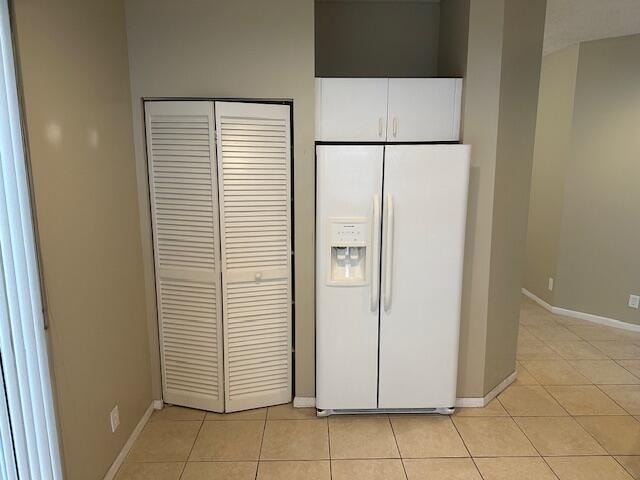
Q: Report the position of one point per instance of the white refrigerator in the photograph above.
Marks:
(390, 245)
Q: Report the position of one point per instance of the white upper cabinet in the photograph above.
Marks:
(351, 109)
(424, 109)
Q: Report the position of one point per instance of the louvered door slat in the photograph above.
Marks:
(254, 177)
(184, 204)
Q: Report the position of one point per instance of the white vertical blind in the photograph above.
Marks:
(22, 337)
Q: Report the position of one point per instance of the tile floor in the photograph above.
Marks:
(569, 416)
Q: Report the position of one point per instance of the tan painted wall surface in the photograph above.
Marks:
(551, 153)
(376, 39)
(599, 264)
(521, 57)
(233, 48)
(73, 58)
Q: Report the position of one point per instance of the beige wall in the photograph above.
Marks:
(551, 153)
(233, 48)
(521, 57)
(500, 97)
(598, 260)
(376, 39)
(73, 58)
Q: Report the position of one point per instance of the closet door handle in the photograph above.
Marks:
(388, 255)
(395, 126)
(375, 253)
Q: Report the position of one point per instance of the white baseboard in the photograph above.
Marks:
(479, 402)
(158, 404)
(304, 402)
(589, 317)
(111, 473)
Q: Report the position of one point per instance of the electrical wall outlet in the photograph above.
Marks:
(550, 287)
(115, 418)
(634, 301)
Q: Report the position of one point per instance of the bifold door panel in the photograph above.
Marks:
(222, 229)
(184, 205)
(349, 189)
(254, 162)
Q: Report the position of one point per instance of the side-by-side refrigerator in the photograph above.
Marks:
(390, 239)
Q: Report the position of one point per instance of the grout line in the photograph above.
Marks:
(395, 439)
(264, 428)
(192, 447)
(473, 460)
(329, 446)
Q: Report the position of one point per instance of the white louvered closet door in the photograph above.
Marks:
(184, 204)
(254, 158)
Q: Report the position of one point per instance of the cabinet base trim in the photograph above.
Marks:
(479, 402)
(304, 402)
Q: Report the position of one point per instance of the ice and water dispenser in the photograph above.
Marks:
(349, 241)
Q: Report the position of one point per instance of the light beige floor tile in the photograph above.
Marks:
(523, 376)
(555, 372)
(362, 438)
(367, 470)
(146, 471)
(219, 471)
(169, 441)
(171, 412)
(618, 435)
(441, 469)
(604, 372)
(631, 464)
(587, 468)
(255, 414)
(536, 350)
(632, 365)
(287, 412)
(493, 409)
(595, 332)
(524, 335)
(296, 470)
(618, 350)
(627, 396)
(295, 440)
(580, 350)
(536, 318)
(493, 437)
(558, 436)
(584, 400)
(520, 468)
(530, 400)
(229, 441)
(427, 436)
(553, 333)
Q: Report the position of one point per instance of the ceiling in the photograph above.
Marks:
(573, 21)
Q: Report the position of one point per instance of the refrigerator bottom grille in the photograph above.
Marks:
(373, 411)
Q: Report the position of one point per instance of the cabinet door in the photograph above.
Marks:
(254, 165)
(424, 215)
(184, 207)
(424, 109)
(349, 186)
(351, 109)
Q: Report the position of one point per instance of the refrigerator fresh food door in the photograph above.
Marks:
(348, 210)
(424, 215)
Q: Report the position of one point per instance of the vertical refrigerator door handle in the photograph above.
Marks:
(375, 253)
(388, 254)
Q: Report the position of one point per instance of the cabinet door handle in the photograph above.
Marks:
(395, 126)
(379, 126)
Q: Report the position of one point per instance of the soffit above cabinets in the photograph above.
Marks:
(572, 21)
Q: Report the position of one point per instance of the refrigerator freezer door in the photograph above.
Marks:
(426, 188)
(349, 184)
